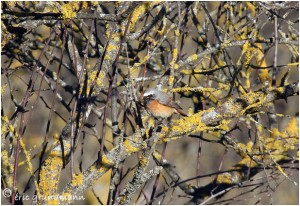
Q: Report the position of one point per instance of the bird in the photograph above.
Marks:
(160, 104)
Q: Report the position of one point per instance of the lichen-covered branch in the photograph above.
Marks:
(140, 175)
(212, 119)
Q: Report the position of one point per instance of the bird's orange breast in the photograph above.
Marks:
(159, 110)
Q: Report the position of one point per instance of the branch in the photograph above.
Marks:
(140, 177)
(198, 122)
(210, 50)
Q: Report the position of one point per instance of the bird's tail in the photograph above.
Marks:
(179, 111)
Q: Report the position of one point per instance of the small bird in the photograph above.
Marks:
(160, 105)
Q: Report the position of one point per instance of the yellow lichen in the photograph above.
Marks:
(151, 122)
(190, 124)
(77, 179)
(242, 149)
(225, 178)
(10, 4)
(75, 28)
(249, 146)
(129, 147)
(275, 133)
(135, 15)
(49, 179)
(224, 125)
(94, 3)
(144, 145)
(7, 168)
(292, 129)
(111, 47)
(193, 57)
(69, 9)
(105, 161)
(161, 31)
(143, 161)
(53, 201)
(177, 32)
(228, 7)
(28, 157)
(248, 79)
(84, 5)
(16, 51)
(247, 162)
(296, 64)
(171, 80)
(151, 40)
(146, 58)
(255, 100)
(176, 66)
(99, 80)
(138, 12)
(174, 54)
(107, 57)
(165, 129)
(186, 71)
(277, 146)
(157, 155)
(251, 7)
(260, 56)
(182, 89)
(3, 89)
(4, 125)
(280, 90)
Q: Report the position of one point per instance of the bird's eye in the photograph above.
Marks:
(150, 96)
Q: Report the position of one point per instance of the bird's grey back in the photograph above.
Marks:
(158, 94)
(162, 97)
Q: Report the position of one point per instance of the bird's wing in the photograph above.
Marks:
(169, 102)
